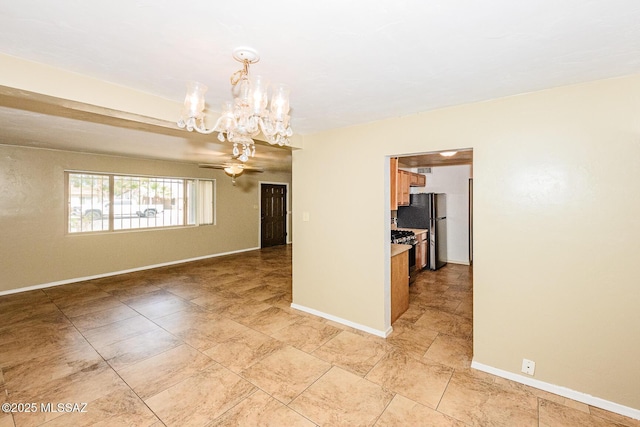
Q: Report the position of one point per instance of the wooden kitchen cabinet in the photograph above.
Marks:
(418, 180)
(401, 181)
(422, 250)
(404, 182)
(399, 284)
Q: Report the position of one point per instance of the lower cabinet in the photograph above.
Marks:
(422, 250)
(399, 285)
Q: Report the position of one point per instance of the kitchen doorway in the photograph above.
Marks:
(447, 292)
(451, 175)
(273, 214)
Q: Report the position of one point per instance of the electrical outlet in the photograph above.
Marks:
(528, 366)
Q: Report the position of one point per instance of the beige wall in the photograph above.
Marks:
(35, 249)
(557, 228)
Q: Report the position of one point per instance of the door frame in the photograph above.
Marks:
(287, 210)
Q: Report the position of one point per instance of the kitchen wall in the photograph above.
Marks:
(454, 182)
(35, 249)
(556, 230)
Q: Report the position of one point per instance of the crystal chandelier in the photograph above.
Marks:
(245, 117)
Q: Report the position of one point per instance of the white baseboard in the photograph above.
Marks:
(562, 391)
(367, 329)
(115, 273)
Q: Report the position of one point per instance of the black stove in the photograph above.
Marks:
(403, 237)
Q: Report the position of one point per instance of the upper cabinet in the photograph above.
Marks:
(418, 180)
(401, 181)
(404, 182)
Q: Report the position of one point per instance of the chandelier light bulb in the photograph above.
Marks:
(194, 100)
(280, 102)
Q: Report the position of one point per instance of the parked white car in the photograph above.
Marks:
(123, 208)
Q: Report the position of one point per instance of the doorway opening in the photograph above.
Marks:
(445, 292)
(445, 172)
(273, 214)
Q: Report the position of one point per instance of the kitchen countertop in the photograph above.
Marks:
(397, 249)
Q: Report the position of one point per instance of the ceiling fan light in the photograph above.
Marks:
(234, 170)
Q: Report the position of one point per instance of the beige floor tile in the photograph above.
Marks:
(199, 328)
(119, 331)
(285, 373)
(307, 334)
(238, 284)
(45, 342)
(17, 314)
(47, 324)
(20, 300)
(420, 381)
(353, 352)
(132, 288)
(200, 398)
(440, 301)
(260, 409)
(555, 415)
(119, 408)
(190, 291)
(155, 374)
(104, 317)
(33, 372)
(6, 420)
(243, 350)
(281, 299)
(465, 309)
(72, 289)
(78, 307)
(616, 418)
(215, 302)
(258, 293)
(450, 351)
(341, 398)
(79, 387)
(270, 320)
(482, 403)
(405, 412)
(413, 313)
(446, 323)
(129, 351)
(157, 304)
(242, 309)
(412, 340)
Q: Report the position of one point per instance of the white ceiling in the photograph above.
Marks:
(347, 62)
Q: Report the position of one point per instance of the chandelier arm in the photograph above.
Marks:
(200, 128)
(273, 137)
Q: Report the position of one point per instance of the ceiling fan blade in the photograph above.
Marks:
(225, 165)
(211, 166)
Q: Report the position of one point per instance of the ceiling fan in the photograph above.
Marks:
(232, 169)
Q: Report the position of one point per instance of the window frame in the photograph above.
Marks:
(111, 197)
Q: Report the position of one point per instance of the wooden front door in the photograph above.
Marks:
(274, 215)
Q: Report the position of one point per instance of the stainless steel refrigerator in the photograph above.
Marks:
(428, 210)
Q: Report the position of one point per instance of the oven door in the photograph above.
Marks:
(413, 271)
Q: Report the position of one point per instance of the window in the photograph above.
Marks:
(104, 202)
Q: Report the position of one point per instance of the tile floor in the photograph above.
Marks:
(215, 343)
